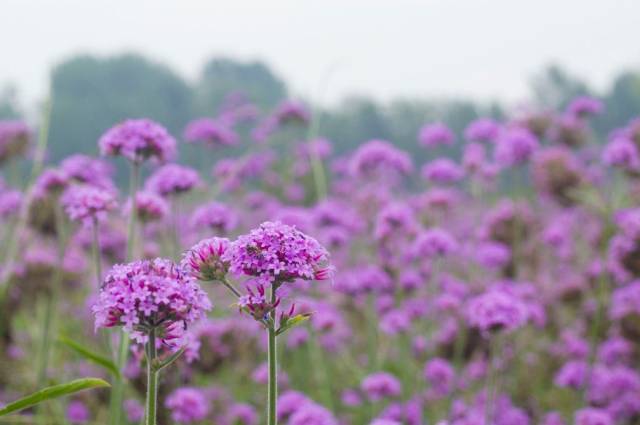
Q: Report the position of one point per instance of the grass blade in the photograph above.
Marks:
(93, 357)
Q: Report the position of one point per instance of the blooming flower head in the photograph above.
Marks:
(380, 158)
(381, 385)
(623, 153)
(592, 416)
(557, 172)
(433, 243)
(77, 412)
(482, 130)
(50, 182)
(292, 111)
(442, 171)
(149, 206)
(150, 294)
(515, 146)
(277, 253)
(85, 169)
(584, 106)
(496, 310)
(172, 179)
(438, 134)
(188, 405)
(14, 139)
(210, 132)
(204, 260)
(138, 140)
(216, 217)
(86, 203)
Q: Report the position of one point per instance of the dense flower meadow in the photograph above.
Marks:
(291, 285)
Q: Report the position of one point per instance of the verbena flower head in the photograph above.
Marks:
(381, 385)
(138, 140)
(482, 130)
(442, 171)
(50, 183)
(188, 405)
(277, 253)
(210, 132)
(216, 217)
(593, 416)
(86, 203)
(496, 310)
(438, 134)
(515, 146)
(292, 111)
(584, 106)
(172, 179)
(14, 138)
(10, 202)
(204, 260)
(378, 158)
(150, 294)
(622, 152)
(434, 243)
(149, 206)
(85, 169)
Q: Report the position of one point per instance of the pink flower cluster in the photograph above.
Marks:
(138, 140)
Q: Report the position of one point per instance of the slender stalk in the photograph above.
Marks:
(272, 361)
(96, 252)
(491, 386)
(117, 395)
(230, 287)
(152, 381)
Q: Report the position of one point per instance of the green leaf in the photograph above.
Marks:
(93, 357)
(53, 392)
(292, 322)
(161, 364)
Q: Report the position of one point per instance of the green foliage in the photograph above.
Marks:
(50, 393)
(91, 356)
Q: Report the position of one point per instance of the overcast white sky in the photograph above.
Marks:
(478, 48)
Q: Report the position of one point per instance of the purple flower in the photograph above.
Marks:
(187, 405)
(434, 243)
(396, 219)
(204, 260)
(377, 158)
(77, 412)
(85, 169)
(87, 203)
(515, 146)
(216, 217)
(592, 416)
(572, 375)
(625, 301)
(149, 206)
(172, 179)
(311, 413)
(134, 410)
(493, 255)
(10, 202)
(621, 152)
(442, 171)
(496, 310)
(138, 140)
(381, 385)
(211, 132)
(150, 294)
(438, 134)
(440, 375)
(15, 137)
(277, 253)
(482, 130)
(242, 414)
(50, 183)
(583, 106)
(292, 111)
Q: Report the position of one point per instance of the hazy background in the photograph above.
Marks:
(379, 68)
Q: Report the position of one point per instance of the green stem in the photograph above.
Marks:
(491, 386)
(96, 252)
(230, 287)
(152, 380)
(272, 361)
(117, 395)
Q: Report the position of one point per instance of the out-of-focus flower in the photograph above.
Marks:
(216, 217)
(584, 106)
(440, 375)
(138, 140)
(210, 132)
(592, 416)
(242, 414)
(378, 158)
(515, 146)
(172, 179)
(434, 243)
(482, 130)
(149, 206)
(437, 134)
(85, 169)
(87, 203)
(77, 412)
(496, 310)
(277, 253)
(188, 405)
(622, 152)
(442, 171)
(15, 137)
(10, 202)
(134, 410)
(150, 294)
(556, 172)
(381, 385)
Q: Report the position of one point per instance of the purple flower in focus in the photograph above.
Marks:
(277, 253)
(150, 294)
(204, 260)
(138, 140)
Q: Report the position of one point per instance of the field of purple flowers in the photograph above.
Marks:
(292, 286)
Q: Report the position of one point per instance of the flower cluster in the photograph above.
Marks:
(204, 260)
(87, 203)
(150, 294)
(138, 140)
(172, 179)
